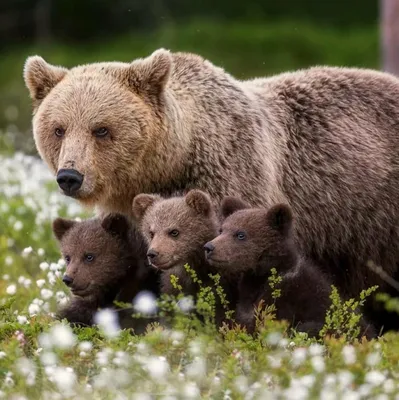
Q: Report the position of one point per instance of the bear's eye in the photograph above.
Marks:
(89, 257)
(174, 233)
(240, 235)
(67, 259)
(59, 132)
(151, 233)
(101, 132)
(220, 231)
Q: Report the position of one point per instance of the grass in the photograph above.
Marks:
(41, 358)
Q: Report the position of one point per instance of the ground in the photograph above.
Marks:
(42, 358)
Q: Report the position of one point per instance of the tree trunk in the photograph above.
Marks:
(390, 35)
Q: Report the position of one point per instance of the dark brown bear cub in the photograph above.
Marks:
(251, 243)
(176, 230)
(105, 261)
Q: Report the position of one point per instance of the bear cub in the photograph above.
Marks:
(105, 261)
(176, 230)
(251, 242)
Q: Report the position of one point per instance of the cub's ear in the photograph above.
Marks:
(62, 226)
(199, 201)
(280, 218)
(149, 75)
(40, 77)
(230, 205)
(116, 224)
(141, 203)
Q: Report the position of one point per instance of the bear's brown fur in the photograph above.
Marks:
(323, 140)
(251, 243)
(105, 261)
(176, 230)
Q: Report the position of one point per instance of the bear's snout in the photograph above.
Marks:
(152, 254)
(208, 247)
(69, 180)
(67, 280)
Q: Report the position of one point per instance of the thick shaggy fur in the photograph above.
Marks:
(106, 260)
(323, 140)
(176, 230)
(250, 244)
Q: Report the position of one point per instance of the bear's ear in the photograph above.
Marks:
(230, 205)
(280, 217)
(61, 226)
(116, 224)
(40, 77)
(199, 201)
(150, 75)
(141, 203)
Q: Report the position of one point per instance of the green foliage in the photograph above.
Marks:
(343, 317)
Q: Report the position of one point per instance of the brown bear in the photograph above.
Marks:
(176, 229)
(105, 261)
(252, 242)
(323, 140)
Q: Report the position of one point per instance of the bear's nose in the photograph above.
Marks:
(67, 280)
(208, 247)
(152, 254)
(69, 180)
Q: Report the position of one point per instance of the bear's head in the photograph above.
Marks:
(252, 239)
(97, 253)
(176, 228)
(93, 123)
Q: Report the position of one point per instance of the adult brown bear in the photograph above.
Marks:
(324, 140)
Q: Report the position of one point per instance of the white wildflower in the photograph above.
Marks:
(107, 320)
(299, 356)
(27, 282)
(389, 386)
(85, 345)
(273, 338)
(6, 277)
(11, 290)
(40, 282)
(33, 309)
(27, 368)
(62, 336)
(65, 379)
(345, 379)
(195, 347)
(44, 266)
(157, 367)
(241, 383)
(18, 225)
(186, 304)
(349, 354)
(46, 294)
(9, 260)
(318, 363)
(2, 354)
(373, 359)
(374, 378)
(51, 278)
(48, 358)
(191, 391)
(316, 349)
(196, 369)
(26, 251)
(8, 381)
(145, 303)
(22, 319)
(40, 252)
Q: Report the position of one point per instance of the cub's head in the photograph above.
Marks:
(97, 253)
(252, 239)
(93, 123)
(176, 228)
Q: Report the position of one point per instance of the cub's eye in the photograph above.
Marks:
(220, 231)
(101, 132)
(174, 233)
(59, 132)
(151, 235)
(240, 235)
(67, 259)
(89, 257)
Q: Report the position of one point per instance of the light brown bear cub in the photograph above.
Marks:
(176, 230)
(105, 261)
(251, 243)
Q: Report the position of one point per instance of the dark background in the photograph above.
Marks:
(249, 38)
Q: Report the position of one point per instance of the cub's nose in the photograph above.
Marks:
(67, 280)
(208, 247)
(69, 180)
(152, 254)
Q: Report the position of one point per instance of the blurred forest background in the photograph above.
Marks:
(249, 38)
